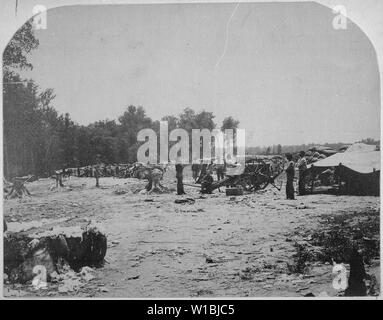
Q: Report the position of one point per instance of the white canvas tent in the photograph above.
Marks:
(357, 170)
(358, 157)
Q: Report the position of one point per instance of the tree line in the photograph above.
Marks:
(38, 140)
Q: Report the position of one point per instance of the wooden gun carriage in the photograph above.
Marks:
(256, 174)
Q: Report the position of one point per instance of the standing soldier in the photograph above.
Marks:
(179, 176)
(290, 173)
(302, 167)
(220, 171)
(202, 172)
(96, 174)
(59, 178)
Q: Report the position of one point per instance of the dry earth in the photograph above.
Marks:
(218, 246)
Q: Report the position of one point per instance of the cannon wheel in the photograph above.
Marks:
(262, 184)
(252, 183)
(249, 183)
(246, 182)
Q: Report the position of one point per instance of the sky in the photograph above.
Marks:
(281, 69)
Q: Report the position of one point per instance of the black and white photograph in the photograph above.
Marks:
(191, 150)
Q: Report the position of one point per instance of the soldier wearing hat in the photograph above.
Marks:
(302, 167)
(207, 183)
(290, 173)
(179, 176)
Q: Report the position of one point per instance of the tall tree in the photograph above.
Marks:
(229, 123)
(173, 122)
(16, 53)
(132, 121)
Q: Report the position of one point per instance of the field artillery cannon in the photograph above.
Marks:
(256, 174)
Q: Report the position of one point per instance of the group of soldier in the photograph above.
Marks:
(202, 173)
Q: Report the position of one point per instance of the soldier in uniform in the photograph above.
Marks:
(207, 183)
(179, 176)
(203, 172)
(220, 171)
(290, 173)
(302, 167)
(96, 174)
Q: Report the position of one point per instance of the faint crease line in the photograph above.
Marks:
(227, 35)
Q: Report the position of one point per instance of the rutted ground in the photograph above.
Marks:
(218, 246)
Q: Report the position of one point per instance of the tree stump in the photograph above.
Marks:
(18, 189)
(22, 253)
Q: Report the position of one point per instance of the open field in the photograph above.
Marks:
(218, 246)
